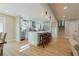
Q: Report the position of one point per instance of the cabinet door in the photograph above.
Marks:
(33, 38)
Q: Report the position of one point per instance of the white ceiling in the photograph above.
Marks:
(34, 10)
(22, 9)
(72, 11)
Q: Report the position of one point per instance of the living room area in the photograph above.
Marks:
(39, 29)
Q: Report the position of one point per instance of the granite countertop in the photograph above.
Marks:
(40, 31)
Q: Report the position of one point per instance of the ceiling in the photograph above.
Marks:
(34, 10)
(31, 10)
(65, 11)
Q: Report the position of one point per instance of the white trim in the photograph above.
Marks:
(4, 24)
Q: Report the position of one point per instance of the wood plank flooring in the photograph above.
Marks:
(58, 47)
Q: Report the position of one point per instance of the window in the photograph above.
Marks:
(1, 27)
(61, 23)
(1, 24)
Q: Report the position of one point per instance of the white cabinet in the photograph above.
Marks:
(33, 38)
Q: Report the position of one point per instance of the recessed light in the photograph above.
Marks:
(65, 7)
(64, 16)
(6, 11)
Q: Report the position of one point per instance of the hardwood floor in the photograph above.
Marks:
(58, 47)
(61, 32)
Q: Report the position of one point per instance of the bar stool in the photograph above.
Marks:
(0, 34)
(44, 39)
(2, 42)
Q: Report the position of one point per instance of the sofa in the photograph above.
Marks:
(74, 44)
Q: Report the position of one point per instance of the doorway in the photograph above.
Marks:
(61, 28)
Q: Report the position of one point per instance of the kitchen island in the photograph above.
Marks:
(34, 38)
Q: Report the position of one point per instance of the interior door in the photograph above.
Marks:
(73, 28)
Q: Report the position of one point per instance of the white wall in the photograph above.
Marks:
(10, 27)
(45, 7)
(53, 21)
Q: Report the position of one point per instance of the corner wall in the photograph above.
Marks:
(9, 26)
